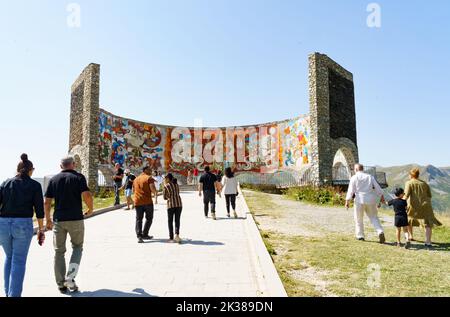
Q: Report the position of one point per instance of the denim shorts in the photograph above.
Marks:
(128, 192)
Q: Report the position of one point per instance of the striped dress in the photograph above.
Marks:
(171, 193)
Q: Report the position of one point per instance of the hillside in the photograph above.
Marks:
(438, 178)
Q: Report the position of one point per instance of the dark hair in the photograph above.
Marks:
(145, 168)
(171, 178)
(398, 192)
(229, 173)
(207, 169)
(25, 166)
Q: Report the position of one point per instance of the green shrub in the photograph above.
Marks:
(270, 189)
(317, 195)
(105, 192)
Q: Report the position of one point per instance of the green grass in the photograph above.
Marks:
(343, 264)
(100, 203)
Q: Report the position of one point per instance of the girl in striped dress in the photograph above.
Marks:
(171, 193)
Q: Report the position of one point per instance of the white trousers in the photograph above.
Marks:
(371, 212)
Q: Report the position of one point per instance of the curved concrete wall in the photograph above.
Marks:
(266, 147)
(309, 143)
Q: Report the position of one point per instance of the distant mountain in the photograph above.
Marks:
(438, 178)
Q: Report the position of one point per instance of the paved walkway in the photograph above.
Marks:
(218, 258)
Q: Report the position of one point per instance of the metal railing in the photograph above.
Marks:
(280, 179)
(342, 175)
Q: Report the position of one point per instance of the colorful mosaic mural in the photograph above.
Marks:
(262, 148)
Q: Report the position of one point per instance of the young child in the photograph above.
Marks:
(401, 217)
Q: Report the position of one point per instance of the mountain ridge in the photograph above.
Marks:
(437, 177)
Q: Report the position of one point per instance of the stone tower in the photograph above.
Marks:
(84, 112)
(332, 114)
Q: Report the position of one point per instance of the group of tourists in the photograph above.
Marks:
(412, 206)
(21, 198)
(142, 190)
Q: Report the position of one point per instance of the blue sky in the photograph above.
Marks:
(228, 62)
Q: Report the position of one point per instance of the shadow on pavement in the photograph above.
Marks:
(138, 292)
(201, 242)
(231, 218)
(185, 241)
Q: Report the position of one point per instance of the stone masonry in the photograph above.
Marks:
(83, 144)
(331, 124)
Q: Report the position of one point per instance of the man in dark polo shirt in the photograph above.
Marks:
(144, 188)
(209, 185)
(68, 189)
(118, 178)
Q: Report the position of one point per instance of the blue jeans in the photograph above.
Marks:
(15, 238)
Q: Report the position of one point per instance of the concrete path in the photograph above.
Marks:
(218, 258)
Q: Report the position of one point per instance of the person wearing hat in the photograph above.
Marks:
(128, 186)
(144, 189)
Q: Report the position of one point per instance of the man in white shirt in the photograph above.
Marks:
(365, 191)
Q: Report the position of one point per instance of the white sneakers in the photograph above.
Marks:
(71, 285)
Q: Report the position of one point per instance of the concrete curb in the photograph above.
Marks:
(96, 213)
(268, 278)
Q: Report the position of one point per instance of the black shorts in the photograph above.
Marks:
(401, 220)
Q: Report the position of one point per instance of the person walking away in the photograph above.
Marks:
(118, 178)
(230, 188)
(68, 189)
(420, 209)
(365, 190)
(144, 188)
(208, 185)
(401, 217)
(171, 193)
(219, 177)
(158, 182)
(196, 176)
(128, 186)
(20, 199)
(189, 177)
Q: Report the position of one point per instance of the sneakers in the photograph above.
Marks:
(147, 237)
(235, 215)
(214, 215)
(140, 240)
(63, 290)
(71, 285)
(228, 215)
(177, 239)
(382, 238)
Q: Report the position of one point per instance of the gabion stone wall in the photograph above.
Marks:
(83, 143)
(332, 115)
